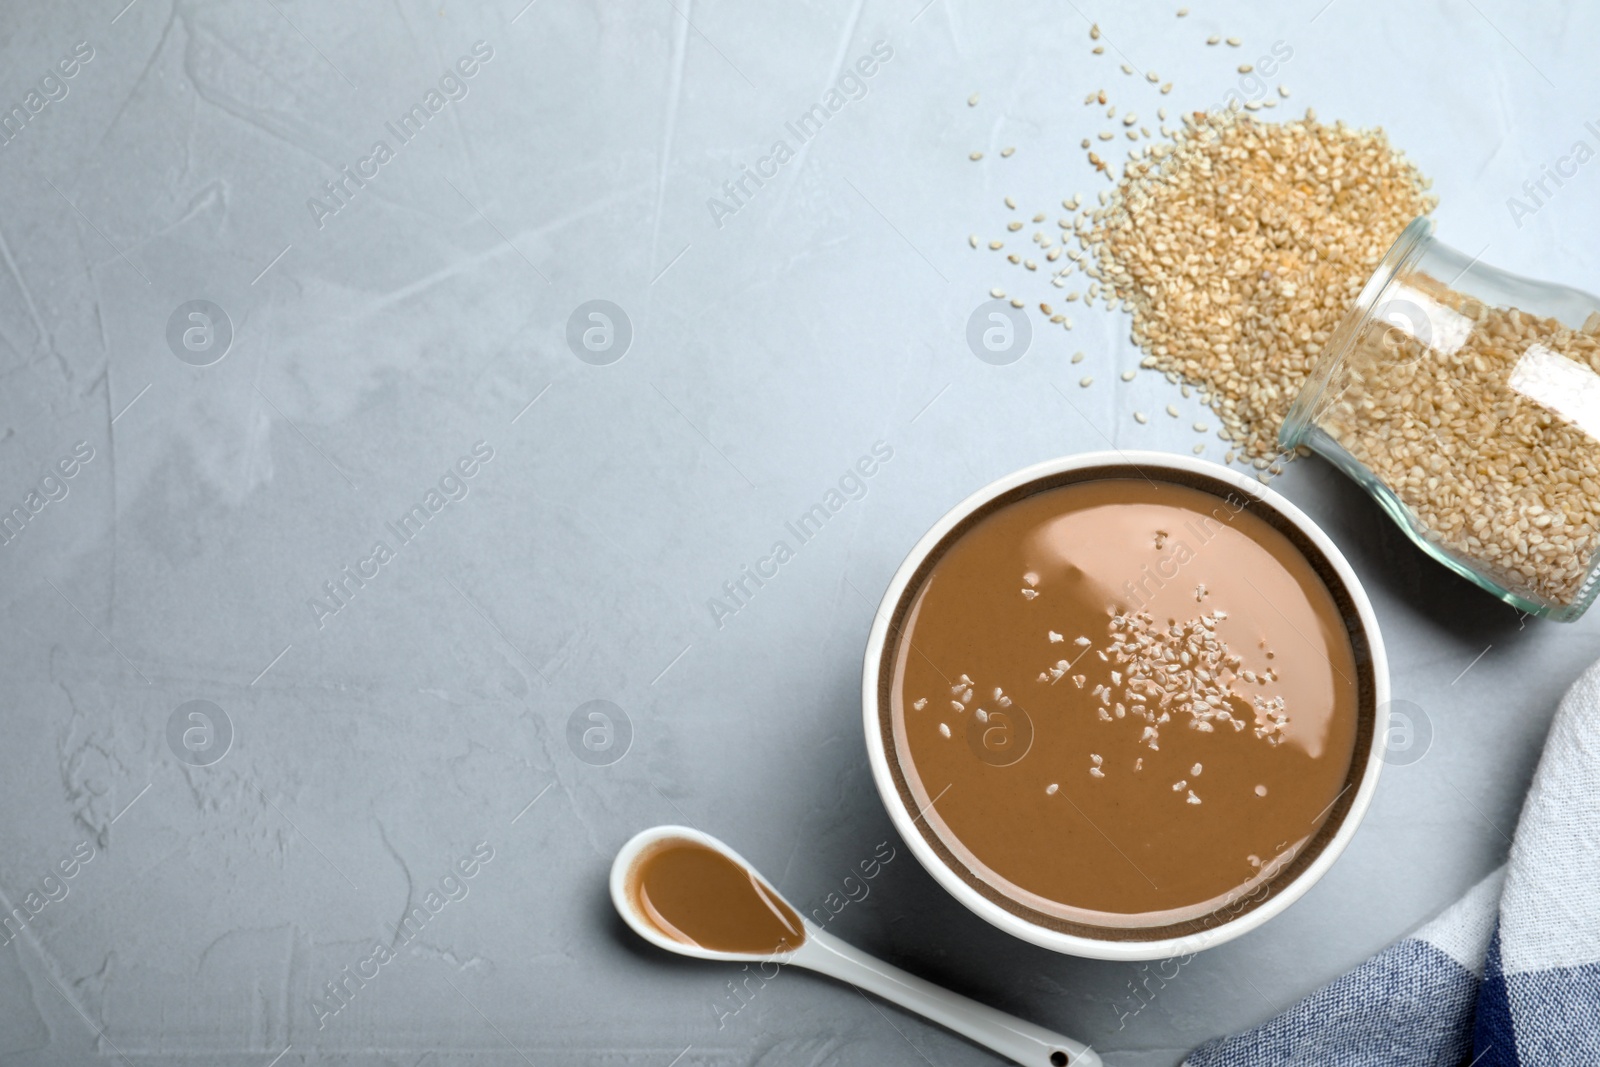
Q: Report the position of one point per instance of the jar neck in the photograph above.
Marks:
(1414, 245)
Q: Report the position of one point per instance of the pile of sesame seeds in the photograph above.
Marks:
(1185, 669)
(1236, 245)
(1238, 248)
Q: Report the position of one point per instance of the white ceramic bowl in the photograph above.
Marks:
(1297, 876)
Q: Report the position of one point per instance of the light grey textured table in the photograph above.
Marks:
(422, 310)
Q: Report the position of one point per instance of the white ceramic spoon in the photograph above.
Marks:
(1022, 1042)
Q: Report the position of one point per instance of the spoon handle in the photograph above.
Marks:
(1022, 1042)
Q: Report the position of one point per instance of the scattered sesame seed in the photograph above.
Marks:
(1099, 49)
(944, 728)
(1246, 68)
(1086, 381)
(1192, 799)
(1128, 375)
(1261, 790)
(1014, 225)
(1129, 119)
(1234, 42)
(1198, 449)
(972, 239)
(1007, 153)
(972, 101)
(1050, 790)
(1201, 427)
(1152, 77)
(996, 246)
(1077, 357)
(1126, 69)
(1140, 417)
(997, 293)
(1195, 770)
(1011, 203)
(1172, 410)
(1182, 11)
(1017, 302)
(1094, 31)
(1166, 87)
(975, 156)
(1283, 91)
(1213, 39)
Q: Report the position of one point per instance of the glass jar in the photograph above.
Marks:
(1467, 401)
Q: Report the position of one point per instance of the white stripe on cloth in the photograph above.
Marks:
(1463, 930)
(1550, 911)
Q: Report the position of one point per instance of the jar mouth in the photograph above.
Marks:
(1407, 247)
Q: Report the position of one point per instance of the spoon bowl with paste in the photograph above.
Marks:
(687, 892)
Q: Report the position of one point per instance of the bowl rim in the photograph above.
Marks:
(904, 819)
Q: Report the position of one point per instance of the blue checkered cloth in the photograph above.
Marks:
(1508, 976)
